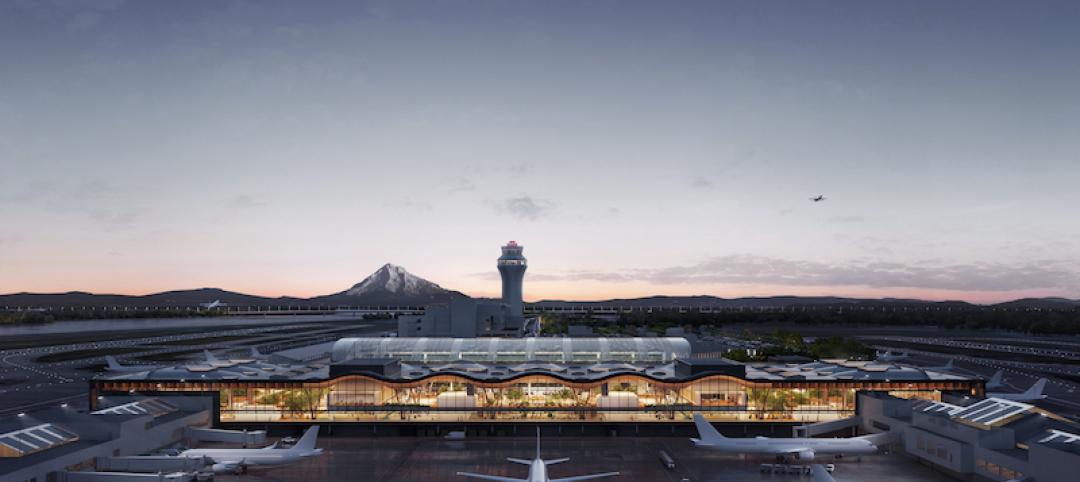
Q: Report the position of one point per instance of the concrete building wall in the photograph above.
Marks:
(964, 451)
(127, 436)
(1046, 464)
(463, 319)
(954, 455)
(460, 318)
(996, 465)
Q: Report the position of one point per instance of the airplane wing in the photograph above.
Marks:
(585, 477)
(491, 477)
(820, 474)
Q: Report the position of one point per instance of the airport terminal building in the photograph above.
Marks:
(492, 380)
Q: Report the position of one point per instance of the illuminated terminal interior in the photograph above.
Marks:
(533, 379)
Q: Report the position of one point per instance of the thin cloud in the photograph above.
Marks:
(110, 219)
(701, 182)
(929, 274)
(846, 220)
(245, 201)
(526, 208)
(408, 204)
(459, 184)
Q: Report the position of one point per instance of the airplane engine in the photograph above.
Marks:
(227, 468)
(806, 455)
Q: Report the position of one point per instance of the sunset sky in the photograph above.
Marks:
(633, 148)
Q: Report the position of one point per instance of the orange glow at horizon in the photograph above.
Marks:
(556, 290)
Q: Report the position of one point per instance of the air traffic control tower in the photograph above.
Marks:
(512, 269)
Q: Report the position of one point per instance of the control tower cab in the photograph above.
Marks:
(512, 270)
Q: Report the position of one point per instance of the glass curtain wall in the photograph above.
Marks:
(538, 397)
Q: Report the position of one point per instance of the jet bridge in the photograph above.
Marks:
(128, 477)
(822, 428)
(151, 464)
(244, 437)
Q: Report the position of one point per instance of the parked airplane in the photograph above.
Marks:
(114, 366)
(240, 460)
(997, 381)
(947, 367)
(538, 469)
(1030, 395)
(801, 448)
(888, 356)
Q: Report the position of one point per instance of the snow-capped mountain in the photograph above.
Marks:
(392, 278)
(393, 285)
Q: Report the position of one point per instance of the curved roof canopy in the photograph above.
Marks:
(513, 350)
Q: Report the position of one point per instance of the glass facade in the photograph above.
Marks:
(513, 350)
(457, 398)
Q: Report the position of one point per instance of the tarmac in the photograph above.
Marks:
(401, 459)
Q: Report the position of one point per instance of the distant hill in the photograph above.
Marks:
(165, 299)
(390, 285)
(1041, 303)
(783, 301)
(393, 285)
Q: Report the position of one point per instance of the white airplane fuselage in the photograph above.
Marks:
(538, 471)
(249, 457)
(804, 449)
(793, 446)
(229, 460)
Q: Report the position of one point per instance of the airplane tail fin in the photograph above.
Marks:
(995, 381)
(307, 442)
(1036, 390)
(556, 461)
(706, 431)
(519, 461)
(209, 356)
(949, 364)
(111, 362)
(255, 353)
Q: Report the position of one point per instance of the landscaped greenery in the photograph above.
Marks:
(972, 318)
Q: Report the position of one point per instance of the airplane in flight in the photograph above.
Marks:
(818, 198)
(538, 469)
(213, 304)
(114, 366)
(996, 381)
(1035, 392)
(888, 356)
(238, 461)
(804, 449)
